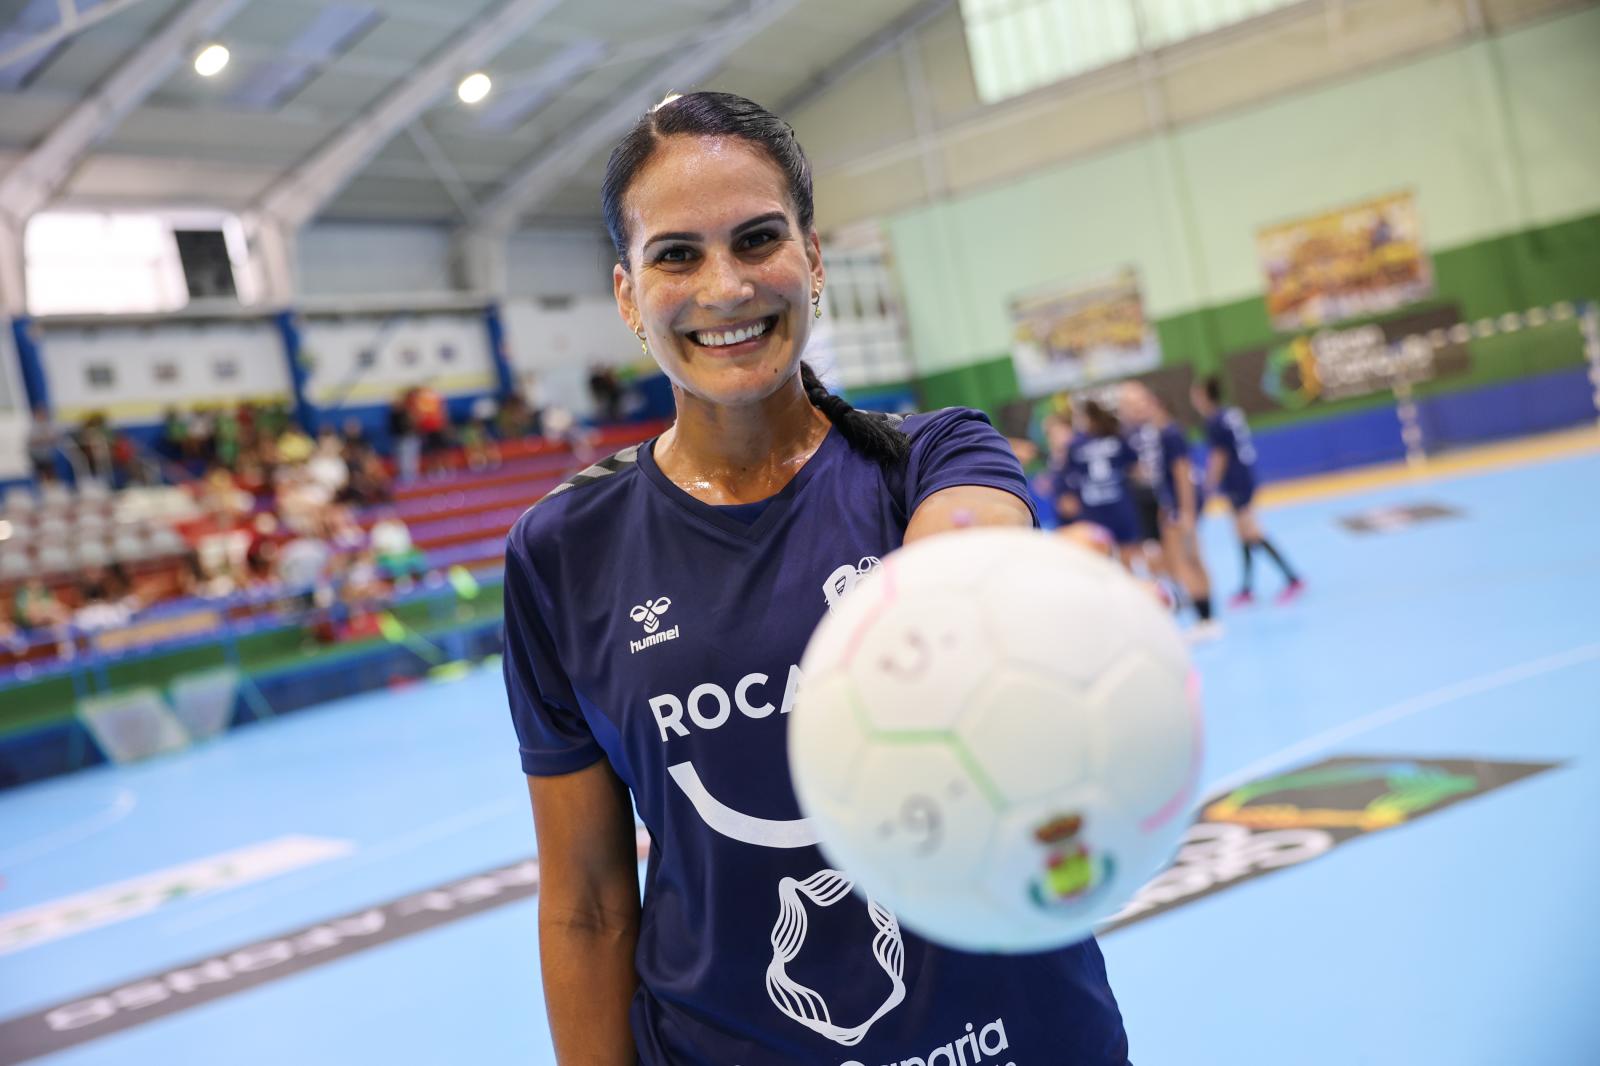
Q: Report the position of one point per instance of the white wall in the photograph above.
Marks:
(447, 349)
(353, 258)
(560, 262)
(360, 259)
(559, 341)
(136, 352)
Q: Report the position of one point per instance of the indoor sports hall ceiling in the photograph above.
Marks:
(301, 70)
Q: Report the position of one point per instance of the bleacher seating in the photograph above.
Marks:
(459, 518)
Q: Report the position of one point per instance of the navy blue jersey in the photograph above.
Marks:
(650, 629)
(1229, 433)
(1159, 450)
(1098, 469)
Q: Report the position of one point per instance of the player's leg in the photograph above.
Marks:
(1183, 560)
(1250, 534)
(1243, 523)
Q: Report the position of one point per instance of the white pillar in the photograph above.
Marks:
(13, 275)
(478, 257)
(272, 247)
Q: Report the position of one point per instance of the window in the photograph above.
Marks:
(1019, 45)
(89, 263)
(82, 262)
(861, 325)
(100, 375)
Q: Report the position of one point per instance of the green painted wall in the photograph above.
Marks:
(1484, 279)
(1497, 138)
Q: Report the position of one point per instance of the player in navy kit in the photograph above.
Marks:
(1230, 469)
(1164, 451)
(1094, 481)
(656, 606)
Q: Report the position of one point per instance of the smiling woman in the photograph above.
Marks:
(656, 608)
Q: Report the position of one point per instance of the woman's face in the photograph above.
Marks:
(721, 273)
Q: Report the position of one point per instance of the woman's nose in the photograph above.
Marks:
(723, 285)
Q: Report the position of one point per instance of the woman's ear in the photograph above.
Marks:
(819, 274)
(622, 289)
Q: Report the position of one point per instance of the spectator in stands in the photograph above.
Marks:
(431, 418)
(364, 583)
(355, 440)
(403, 431)
(302, 562)
(225, 437)
(261, 552)
(294, 446)
(254, 478)
(222, 497)
(44, 438)
(327, 464)
(94, 441)
(125, 465)
(12, 640)
(369, 482)
(197, 436)
(341, 530)
(513, 421)
(533, 403)
(301, 497)
(392, 546)
(477, 435)
(107, 599)
(173, 443)
(36, 606)
(607, 392)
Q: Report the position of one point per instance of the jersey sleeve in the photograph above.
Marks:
(551, 730)
(1218, 435)
(958, 446)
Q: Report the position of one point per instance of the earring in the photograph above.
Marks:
(816, 302)
(644, 345)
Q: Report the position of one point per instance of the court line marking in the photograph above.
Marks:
(119, 808)
(1394, 712)
(239, 902)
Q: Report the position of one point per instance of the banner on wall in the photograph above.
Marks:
(1364, 259)
(1066, 338)
(1339, 364)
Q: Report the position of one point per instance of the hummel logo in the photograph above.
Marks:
(845, 578)
(648, 614)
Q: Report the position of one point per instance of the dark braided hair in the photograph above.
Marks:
(727, 115)
(872, 435)
(1102, 422)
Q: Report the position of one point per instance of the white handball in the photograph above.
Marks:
(998, 737)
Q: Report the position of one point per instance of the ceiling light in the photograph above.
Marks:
(473, 87)
(211, 60)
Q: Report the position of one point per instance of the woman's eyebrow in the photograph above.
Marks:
(684, 235)
(678, 236)
(770, 216)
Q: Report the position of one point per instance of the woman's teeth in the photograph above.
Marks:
(714, 339)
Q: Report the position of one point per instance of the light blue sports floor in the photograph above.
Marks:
(1469, 935)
